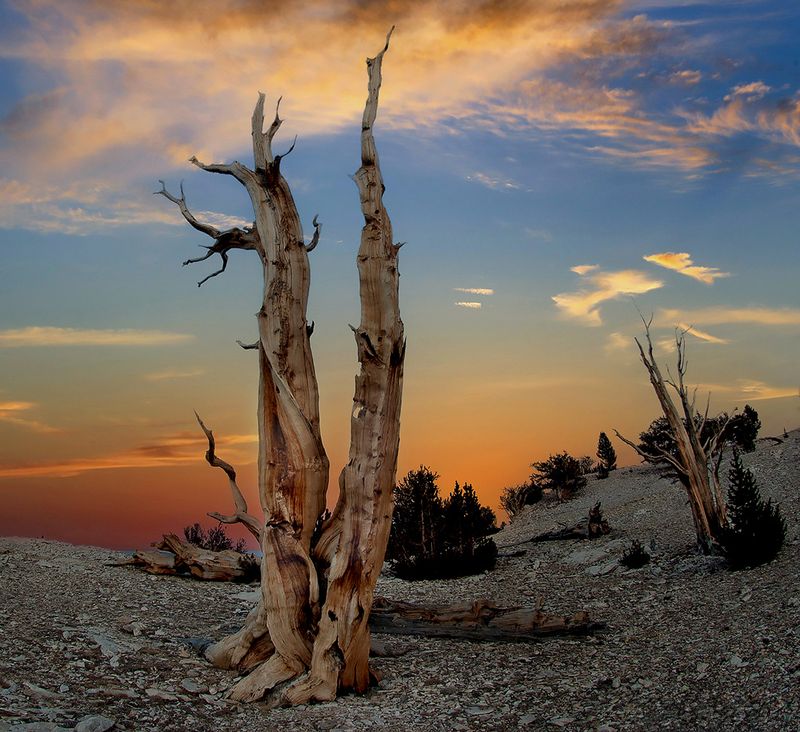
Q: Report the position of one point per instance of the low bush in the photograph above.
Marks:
(214, 539)
(516, 497)
(635, 556)
(562, 474)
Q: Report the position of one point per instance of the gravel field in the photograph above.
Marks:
(688, 644)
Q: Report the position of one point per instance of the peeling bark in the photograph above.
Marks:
(289, 632)
(356, 536)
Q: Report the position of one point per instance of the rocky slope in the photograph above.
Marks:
(689, 645)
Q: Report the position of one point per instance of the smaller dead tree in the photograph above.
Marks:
(698, 451)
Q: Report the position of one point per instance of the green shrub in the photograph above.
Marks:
(756, 529)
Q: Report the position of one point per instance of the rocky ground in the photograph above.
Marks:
(688, 646)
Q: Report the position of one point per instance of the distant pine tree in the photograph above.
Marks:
(756, 529)
(606, 455)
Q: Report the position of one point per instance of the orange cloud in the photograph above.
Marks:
(682, 262)
(725, 315)
(701, 334)
(179, 449)
(470, 305)
(14, 413)
(51, 336)
(584, 304)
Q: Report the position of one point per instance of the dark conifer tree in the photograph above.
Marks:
(606, 456)
(756, 529)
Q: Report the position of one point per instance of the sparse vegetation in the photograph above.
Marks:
(756, 529)
(743, 428)
(433, 537)
(606, 456)
(587, 464)
(516, 497)
(635, 556)
(561, 474)
(214, 539)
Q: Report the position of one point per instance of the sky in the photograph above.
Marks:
(555, 167)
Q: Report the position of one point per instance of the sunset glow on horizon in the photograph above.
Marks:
(555, 168)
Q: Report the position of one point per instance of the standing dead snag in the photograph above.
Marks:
(310, 626)
(694, 453)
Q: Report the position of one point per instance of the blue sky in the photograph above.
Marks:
(534, 153)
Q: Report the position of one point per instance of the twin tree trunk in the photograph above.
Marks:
(308, 637)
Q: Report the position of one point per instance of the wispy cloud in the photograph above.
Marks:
(541, 234)
(754, 90)
(603, 286)
(16, 413)
(495, 181)
(751, 390)
(724, 315)
(749, 108)
(470, 305)
(171, 374)
(687, 77)
(618, 342)
(701, 334)
(475, 290)
(583, 269)
(179, 449)
(682, 262)
(52, 336)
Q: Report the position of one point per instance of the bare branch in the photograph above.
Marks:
(241, 172)
(241, 515)
(315, 238)
(659, 456)
(224, 257)
(212, 231)
(278, 158)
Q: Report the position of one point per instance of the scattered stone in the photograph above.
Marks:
(95, 724)
(192, 686)
(683, 649)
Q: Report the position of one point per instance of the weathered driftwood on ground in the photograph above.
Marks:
(481, 620)
(172, 555)
(596, 526)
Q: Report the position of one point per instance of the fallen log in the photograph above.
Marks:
(481, 620)
(174, 556)
(595, 527)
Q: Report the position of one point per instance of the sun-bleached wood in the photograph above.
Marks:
(293, 466)
(697, 460)
(356, 536)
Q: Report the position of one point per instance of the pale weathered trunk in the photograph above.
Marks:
(692, 462)
(292, 464)
(288, 633)
(355, 539)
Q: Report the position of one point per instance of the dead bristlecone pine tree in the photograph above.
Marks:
(308, 638)
(606, 456)
(696, 457)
